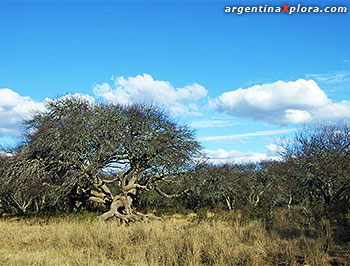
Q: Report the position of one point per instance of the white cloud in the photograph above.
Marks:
(292, 102)
(297, 116)
(5, 154)
(331, 78)
(244, 135)
(14, 108)
(337, 110)
(78, 95)
(272, 148)
(222, 156)
(143, 88)
(209, 123)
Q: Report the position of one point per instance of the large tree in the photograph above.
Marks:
(77, 142)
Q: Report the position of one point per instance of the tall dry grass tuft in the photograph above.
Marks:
(177, 241)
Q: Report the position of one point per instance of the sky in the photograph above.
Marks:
(241, 81)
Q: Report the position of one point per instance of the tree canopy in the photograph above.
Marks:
(317, 165)
(83, 151)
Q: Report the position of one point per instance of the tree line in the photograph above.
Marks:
(120, 159)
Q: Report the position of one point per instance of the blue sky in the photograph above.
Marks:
(241, 80)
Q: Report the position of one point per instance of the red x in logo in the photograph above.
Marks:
(285, 8)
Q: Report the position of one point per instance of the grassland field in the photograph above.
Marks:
(178, 240)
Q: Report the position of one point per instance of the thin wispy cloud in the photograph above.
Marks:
(333, 77)
(334, 82)
(214, 123)
(245, 135)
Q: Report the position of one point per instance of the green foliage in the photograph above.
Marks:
(70, 144)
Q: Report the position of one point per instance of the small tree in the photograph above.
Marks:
(210, 184)
(75, 142)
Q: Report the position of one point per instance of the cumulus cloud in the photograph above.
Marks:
(222, 156)
(144, 88)
(14, 108)
(292, 102)
(334, 110)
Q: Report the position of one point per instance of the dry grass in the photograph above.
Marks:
(177, 241)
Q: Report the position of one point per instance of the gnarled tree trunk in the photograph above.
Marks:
(121, 205)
